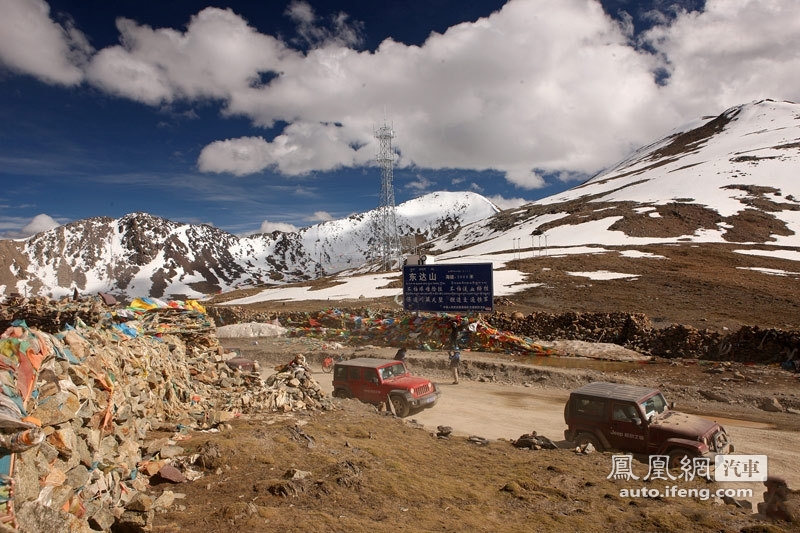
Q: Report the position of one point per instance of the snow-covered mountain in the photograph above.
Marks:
(143, 255)
(734, 178)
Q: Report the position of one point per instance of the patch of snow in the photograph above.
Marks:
(250, 329)
(638, 254)
(603, 274)
(771, 271)
(351, 288)
(791, 255)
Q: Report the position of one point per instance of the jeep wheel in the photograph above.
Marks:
(587, 438)
(676, 456)
(401, 407)
(341, 393)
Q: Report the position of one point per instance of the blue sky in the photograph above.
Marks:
(254, 116)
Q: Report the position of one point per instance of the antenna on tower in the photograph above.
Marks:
(387, 219)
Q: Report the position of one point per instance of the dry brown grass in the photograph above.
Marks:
(370, 473)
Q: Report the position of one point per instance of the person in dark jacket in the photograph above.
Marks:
(455, 330)
(401, 354)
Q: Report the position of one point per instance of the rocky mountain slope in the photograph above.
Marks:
(143, 255)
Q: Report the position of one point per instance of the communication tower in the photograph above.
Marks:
(387, 219)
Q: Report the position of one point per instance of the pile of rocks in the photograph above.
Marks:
(293, 390)
(780, 502)
(630, 330)
(42, 313)
(534, 441)
(94, 393)
(617, 328)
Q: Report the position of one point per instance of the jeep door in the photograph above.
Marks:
(371, 383)
(587, 414)
(628, 429)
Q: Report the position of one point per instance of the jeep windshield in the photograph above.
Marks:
(392, 371)
(653, 406)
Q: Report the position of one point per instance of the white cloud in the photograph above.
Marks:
(40, 223)
(269, 227)
(241, 156)
(16, 228)
(474, 97)
(31, 43)
(525, 178)
(421, 184)
(734, 52)
(320, 216)
(507, 203)
(115, 71)
(552, 87)
(343, 31)
(218, 56)
(300, 149)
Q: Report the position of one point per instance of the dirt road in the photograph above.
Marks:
(497, 411)
(491, 410)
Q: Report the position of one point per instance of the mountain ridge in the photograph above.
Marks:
(144, 255)
(726, 179)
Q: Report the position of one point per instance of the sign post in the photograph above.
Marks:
(448, 288)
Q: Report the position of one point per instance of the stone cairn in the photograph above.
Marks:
(76, 406)
(780, 502)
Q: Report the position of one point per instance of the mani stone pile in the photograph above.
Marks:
(76, 406)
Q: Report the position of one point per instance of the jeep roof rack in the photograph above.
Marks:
(619, 391)
(370, 362)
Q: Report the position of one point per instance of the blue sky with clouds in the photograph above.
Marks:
(254, 116)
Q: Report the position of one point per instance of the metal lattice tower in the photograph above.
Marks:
(387, 219)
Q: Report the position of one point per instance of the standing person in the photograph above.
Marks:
(455, 329)
(455, 360)
(401, 355)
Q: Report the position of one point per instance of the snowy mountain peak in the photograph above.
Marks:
(143, 255)
(731, 178)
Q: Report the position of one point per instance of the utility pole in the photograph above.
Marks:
(387, 217)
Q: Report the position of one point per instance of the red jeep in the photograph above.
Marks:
(637, 419)
(374, 380)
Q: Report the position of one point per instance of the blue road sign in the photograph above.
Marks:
(448, 287)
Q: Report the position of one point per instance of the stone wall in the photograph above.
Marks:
(632, 331)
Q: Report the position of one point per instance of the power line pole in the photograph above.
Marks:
(387, 218)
